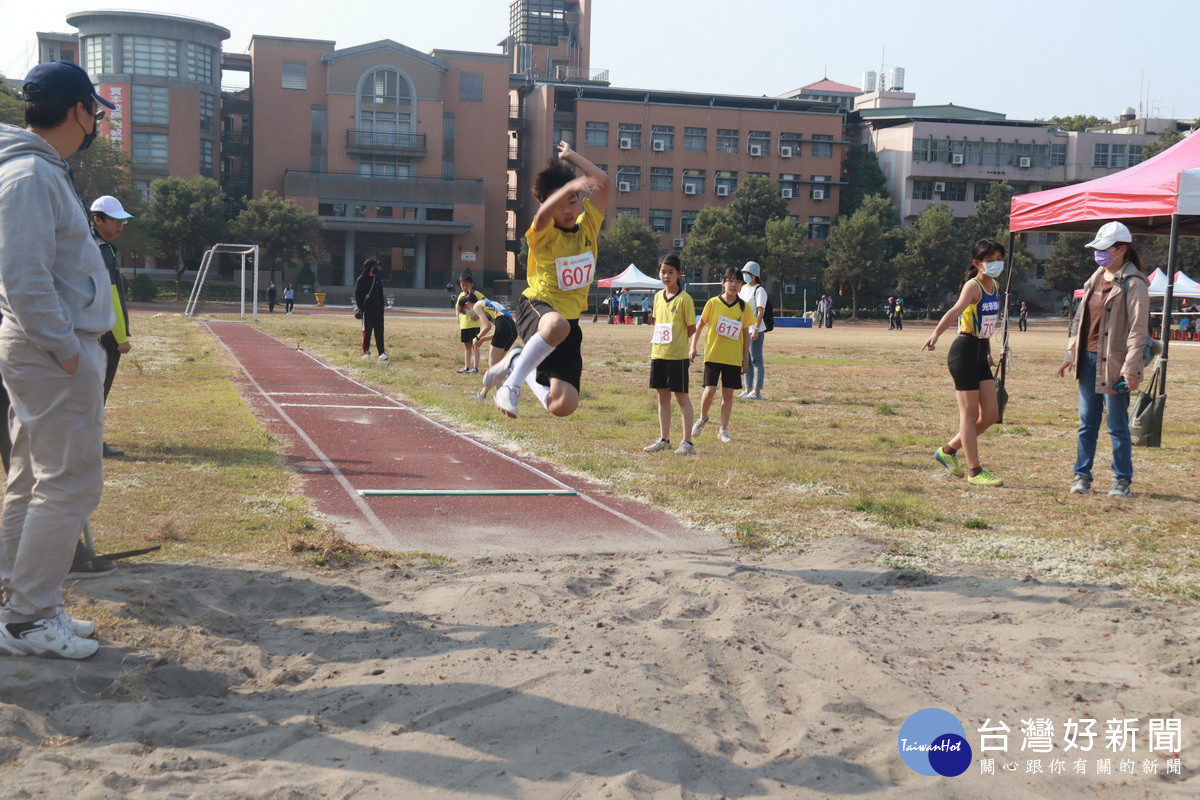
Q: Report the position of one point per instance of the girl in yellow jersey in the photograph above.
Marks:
(674, 321)
(970, 361)
(728, 320)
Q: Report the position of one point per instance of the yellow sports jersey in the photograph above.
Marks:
(468, 320)
(727, 324)
(979, 318)
(672, 318)
(562, 264)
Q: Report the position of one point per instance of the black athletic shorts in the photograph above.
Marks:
(505, 332)
(566, 361)
(467, 335)
(669, 373)
(729, 374)
(968, 362)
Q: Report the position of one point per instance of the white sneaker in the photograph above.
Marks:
(755, 395)
(506, 399)
(686, 449)
(742, 393)
(723, 436)
(48, 637)
(661, 444)
(80, 627)
(699, 426)
(499, 372)
(383, 357)
(481, 396)
(366, 355)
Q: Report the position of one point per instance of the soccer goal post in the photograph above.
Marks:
(210, 255)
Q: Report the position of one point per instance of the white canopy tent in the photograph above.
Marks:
(632, 278)
(1183, 286)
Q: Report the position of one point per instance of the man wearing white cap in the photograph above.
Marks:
(56, 305)
(108, 221)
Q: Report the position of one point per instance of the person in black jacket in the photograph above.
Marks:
(368, 298)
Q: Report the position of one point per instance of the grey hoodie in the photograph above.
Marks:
(53, 283)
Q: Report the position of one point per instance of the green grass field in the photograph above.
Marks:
(842, 445)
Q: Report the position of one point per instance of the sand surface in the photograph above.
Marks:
(656, 675)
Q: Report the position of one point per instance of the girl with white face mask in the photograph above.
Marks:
(970, 361)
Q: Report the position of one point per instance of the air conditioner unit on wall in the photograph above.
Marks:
(756, 149)
(818, 194)
(1025, 161)
(722, 190)
(624, 187)
(625, 143)
(689, 188)
(677, 244)
(786, 193)
(658, 145)
(956, 158)
(939, 187)
(785, 152)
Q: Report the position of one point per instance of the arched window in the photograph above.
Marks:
(385, 102)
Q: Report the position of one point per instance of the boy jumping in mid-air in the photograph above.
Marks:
(562, 264)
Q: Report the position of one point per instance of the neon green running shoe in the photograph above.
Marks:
(984, 478)
(950, 462)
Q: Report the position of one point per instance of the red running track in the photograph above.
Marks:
(347, 438)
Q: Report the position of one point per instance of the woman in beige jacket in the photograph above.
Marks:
(1108, 335)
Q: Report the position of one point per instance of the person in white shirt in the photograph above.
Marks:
(755, 296)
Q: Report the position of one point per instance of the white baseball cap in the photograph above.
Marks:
(753, 269)
(110, 206)
(1110, 233)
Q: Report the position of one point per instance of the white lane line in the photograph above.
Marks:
(465, 492)
(618, 514)
(383, 535)
(332, 405)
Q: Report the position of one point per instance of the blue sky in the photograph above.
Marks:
(1024, 58)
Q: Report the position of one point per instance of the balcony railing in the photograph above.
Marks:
(580, 75)
(383, 141)
(236, 180)
(235, 137)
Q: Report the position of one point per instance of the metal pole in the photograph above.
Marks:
(1165, 331)
(254, 304)
(242, 293)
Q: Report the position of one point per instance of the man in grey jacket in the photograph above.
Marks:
(56, 300)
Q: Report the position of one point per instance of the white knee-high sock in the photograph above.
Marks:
(542, 393)
(535, 352)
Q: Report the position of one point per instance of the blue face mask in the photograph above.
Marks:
(993, 269)
(1103, 257)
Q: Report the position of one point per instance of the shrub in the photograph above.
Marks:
(142, 288)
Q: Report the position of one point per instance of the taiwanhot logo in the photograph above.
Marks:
(933, 742)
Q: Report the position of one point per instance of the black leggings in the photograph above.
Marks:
(372, 323)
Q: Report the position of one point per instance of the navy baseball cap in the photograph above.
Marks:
(65, 80)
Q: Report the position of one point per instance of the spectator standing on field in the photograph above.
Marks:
(368, 298)
(755, 297)
(272, 297)
(289, 298)
(108, 222)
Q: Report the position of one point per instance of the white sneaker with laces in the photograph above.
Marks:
(499, 372)
(661, 444)
(699, 426)
(47, 637)
(80, 627)
(755, 395)
(507, 398)
(383, 357)
(723, 436)
(686, 449)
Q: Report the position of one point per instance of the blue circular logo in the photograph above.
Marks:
(933, 742)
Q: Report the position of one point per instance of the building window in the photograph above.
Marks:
(727, 140)
(447, 170)
(208, 112)
(383, 212)
(981, 191)
(1058, 155)
(317, 163)
(790, 144)
(150, 105)
(379, 166)
(97, 55)
(628, 212)
(818, 227)
(693, 181)
(150, 151)
(1135, 154)
(629, 136)
(206, 157)
(660, 220)
(687, 221)
(143, 190)
(384, 103)
(662, 179)
(629, 179)
(318, 117)
(448, 122)
(596, 134)
(822, 146)
(956, 191)
(725, 183)
(922, 190)
(759, 142)
(200, 62)
(470, 87)
(662, 137)
(695, 139)
(295, 75)
(564, 132)
(819, 190)
(150, 55)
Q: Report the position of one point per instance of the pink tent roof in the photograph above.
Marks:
(1144, 197)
